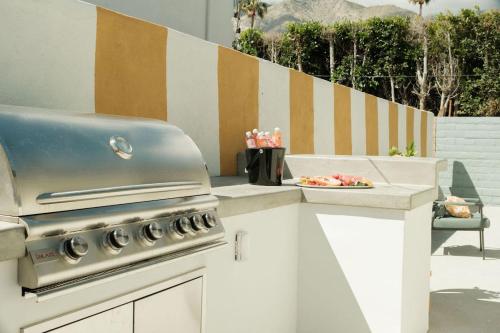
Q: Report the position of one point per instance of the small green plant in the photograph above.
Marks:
(410, 151)
(394, 151)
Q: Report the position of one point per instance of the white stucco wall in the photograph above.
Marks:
(358, 136)
(47, 54)
(383, 125)
(274, 98)
(207, 19)
(193, 72)
(323, 106)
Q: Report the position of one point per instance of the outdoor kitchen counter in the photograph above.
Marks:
(238, 197)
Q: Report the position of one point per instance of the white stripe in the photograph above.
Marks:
(401, 127)
(48, 54)
(358, 126)
(192, 94)
(324, 129)
(430, 134)
(416, 131)
(383, 126)
(274, 99)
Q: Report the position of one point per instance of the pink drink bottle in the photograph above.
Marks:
(277, 137)
(250, 140)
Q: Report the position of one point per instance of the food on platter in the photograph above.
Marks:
(337, 180)
(320, 181)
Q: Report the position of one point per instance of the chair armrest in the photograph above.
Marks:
(478, 200)
(452, 203)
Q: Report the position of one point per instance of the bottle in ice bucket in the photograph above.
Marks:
(261, 140)
(265, 157)
(277, 137)
(250, 140)
(269, 139)
(255, 132)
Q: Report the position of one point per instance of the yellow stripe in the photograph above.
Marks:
(410, 120)
(238, 81)
(342, 119)
(371, 120)
(301, 113)
(423, 134)
(130, 66)
(393, 124)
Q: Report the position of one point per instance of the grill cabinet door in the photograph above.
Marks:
(117, 320)
(175, 310)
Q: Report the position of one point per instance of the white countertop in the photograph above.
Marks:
(239, 197)
(404, 197)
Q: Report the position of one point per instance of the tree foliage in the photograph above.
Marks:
(382, 56)
(304, 48)
(252, 42)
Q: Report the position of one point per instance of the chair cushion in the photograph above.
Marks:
(475, 222)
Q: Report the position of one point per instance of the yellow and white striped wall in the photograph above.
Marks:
(74, 56)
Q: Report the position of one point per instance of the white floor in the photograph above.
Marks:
(465, 290)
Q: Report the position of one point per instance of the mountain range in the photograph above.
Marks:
(324, 11)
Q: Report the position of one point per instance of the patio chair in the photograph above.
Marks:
(477, 222)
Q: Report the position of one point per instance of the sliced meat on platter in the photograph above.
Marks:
(336, 180)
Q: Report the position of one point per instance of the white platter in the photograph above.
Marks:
(333, 187)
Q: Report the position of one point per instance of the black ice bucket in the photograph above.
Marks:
(265, 165)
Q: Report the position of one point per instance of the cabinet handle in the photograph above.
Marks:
(241, 246)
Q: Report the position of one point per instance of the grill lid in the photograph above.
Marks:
(55, 161)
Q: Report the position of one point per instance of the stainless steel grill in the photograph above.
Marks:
(99, 195)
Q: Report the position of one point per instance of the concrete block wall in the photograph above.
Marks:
(472, 147)
(75, 56)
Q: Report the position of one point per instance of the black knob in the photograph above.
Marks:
(153, 231)
(209, 220)
(197, 222)
(182, 226)
(76, 247)
(118, 238)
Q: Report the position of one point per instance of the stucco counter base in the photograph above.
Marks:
(363, 257)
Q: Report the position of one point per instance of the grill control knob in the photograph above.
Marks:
(197, 223)
(117, 239)
(182, 226)
(75, 248)
(209, 220)
(153, 231)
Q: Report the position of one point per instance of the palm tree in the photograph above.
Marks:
(420, 4)
(238, 9)
(255, 8)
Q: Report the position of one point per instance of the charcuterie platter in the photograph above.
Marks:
(337, 181)
(337, 187)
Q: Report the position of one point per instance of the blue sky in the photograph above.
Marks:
(433, 7)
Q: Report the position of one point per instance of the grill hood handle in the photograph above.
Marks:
(71, 196)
